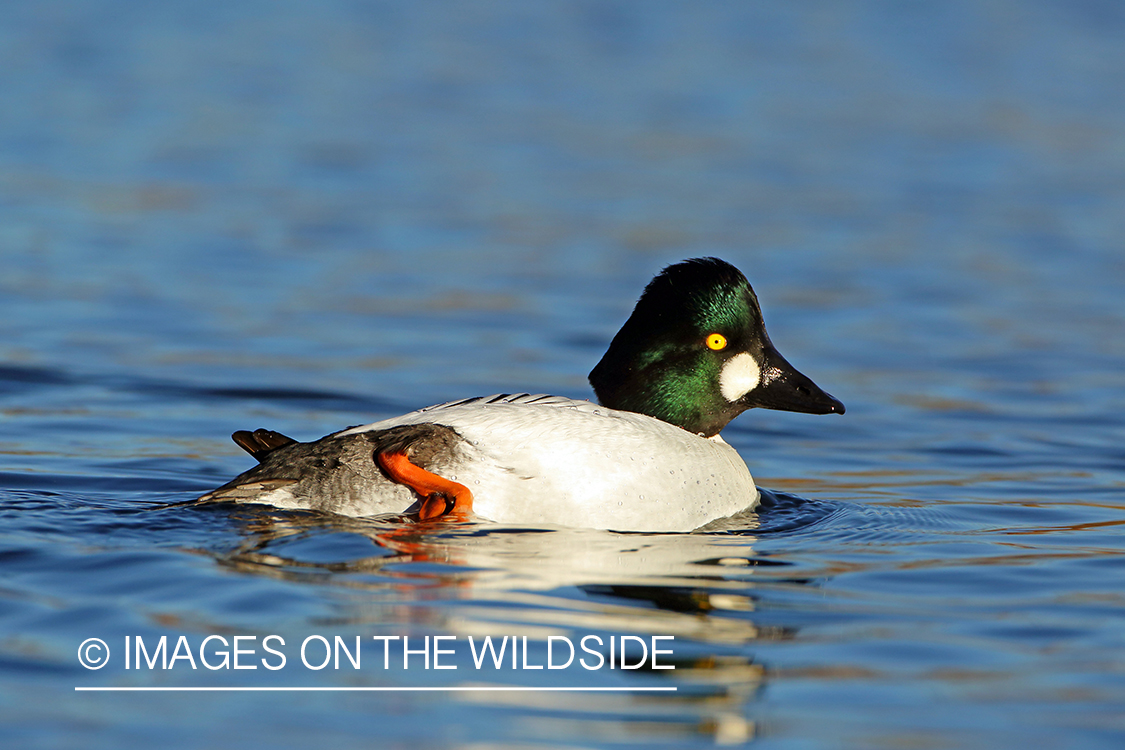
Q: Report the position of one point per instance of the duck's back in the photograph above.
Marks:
(546, 459)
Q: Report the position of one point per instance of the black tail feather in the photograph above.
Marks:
(260, 443)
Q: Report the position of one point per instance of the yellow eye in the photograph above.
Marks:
(716, 341)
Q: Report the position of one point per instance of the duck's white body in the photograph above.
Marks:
(560, 461)
(548, 460)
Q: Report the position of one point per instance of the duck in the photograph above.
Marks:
(647, 456)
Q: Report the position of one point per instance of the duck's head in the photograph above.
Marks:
(695, 353)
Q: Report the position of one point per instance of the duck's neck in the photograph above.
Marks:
(682, 393)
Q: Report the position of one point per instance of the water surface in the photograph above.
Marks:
(240, 215)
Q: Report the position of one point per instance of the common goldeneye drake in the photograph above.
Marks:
(693, 355)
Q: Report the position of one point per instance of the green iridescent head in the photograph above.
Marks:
(695, 353)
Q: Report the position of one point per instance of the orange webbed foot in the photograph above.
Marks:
(441, 496)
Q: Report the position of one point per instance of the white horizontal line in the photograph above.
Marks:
(460, 689)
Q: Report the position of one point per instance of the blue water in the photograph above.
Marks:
(229, 215)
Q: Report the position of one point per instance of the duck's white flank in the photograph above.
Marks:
(546, 459)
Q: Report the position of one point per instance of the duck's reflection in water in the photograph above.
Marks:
(481, 579)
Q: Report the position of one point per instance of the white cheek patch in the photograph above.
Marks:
(740, 375)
